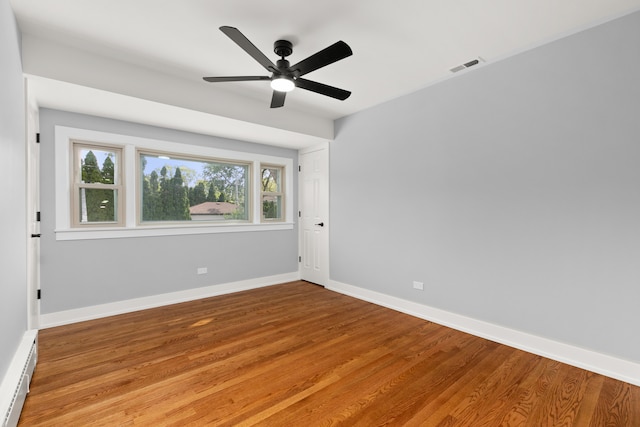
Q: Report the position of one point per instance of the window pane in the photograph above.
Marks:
(272, 207)
(272, 190)
(182, 189)
(98, 166)
(271, 179)
(98, 205)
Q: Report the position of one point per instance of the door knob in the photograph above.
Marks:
(321, 224)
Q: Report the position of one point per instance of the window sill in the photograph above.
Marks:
(165, 230)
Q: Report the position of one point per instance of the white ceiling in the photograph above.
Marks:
(143, 60)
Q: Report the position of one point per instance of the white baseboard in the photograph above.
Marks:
(66, 317)
(610, 366)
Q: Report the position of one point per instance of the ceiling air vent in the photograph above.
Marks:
(467, 65)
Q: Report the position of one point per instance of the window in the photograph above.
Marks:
(120, 196)
(179, 188)
(272, 193)
(97, 189)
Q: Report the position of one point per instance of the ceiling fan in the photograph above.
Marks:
(285, 77)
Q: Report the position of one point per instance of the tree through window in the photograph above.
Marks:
(176, 188)
(97, 193)
(272, 193)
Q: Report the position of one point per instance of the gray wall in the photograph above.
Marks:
(78, 274)
(13, 228)
(512, 191)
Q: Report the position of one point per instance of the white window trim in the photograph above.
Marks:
(282, 193)
(64, 231)
(76, 183)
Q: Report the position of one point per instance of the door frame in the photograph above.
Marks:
(324, 146)
(32, 149)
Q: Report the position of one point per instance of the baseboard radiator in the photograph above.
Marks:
(16, 383)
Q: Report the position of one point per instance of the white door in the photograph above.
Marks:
(314, 214)
(33, 209)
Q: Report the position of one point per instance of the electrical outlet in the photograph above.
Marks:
(202, 270)
(418, 285)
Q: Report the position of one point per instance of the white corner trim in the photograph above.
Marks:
(66, 317)
(609, 366)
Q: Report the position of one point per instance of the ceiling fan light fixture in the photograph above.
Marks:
(283, 76)
(282, 84)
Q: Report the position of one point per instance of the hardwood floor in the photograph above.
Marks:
(299, 355)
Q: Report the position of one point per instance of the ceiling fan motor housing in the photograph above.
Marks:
(283, 66)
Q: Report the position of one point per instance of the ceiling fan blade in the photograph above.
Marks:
(323, 89)
(239, 38)
(235, 79)
(277, 100)
(337, 51)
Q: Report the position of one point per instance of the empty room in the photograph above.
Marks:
(353, 213)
